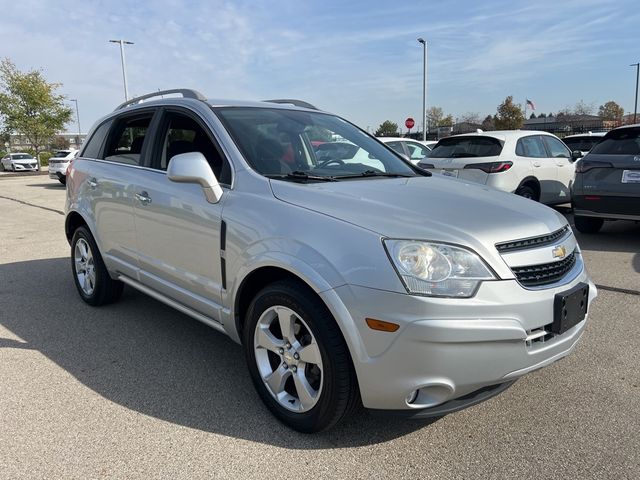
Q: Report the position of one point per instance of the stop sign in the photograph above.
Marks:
(409, 123)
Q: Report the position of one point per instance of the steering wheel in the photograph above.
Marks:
(329, 162)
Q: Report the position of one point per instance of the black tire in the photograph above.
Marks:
(527, 192)
(588, 224)
(62, 180)
(105, 289)
(339, 396)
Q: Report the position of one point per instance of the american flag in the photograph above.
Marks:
(530, 104)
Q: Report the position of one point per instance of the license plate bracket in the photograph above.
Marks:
(570, 308)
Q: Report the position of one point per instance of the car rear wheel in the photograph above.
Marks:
(298, 360)
(94, 284)
(527, 192)
(588, 224)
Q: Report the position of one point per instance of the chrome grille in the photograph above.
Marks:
(546, 273)
(532, 242)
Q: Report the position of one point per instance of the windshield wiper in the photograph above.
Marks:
(302, 176)
(463, 155)
(373, 173)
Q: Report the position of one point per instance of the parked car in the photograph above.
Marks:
(413, 150)
(19, 162)
(583, 142)
(532, 164)
(346, 284)
(607, 184)
(59, 163)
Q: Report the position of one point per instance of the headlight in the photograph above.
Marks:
(437, 269)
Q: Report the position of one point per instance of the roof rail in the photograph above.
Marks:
(292, 101)
(185, 92)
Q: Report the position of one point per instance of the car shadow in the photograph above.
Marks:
(54, 185)
(149, 358)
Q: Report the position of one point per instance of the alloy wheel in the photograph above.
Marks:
(288, 359)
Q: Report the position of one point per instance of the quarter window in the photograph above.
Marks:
(95, 143)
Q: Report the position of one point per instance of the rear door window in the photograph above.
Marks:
(625, 141)
(397, 146)
(126, 139)
(531, 147)
(476, 146)
(417, 151)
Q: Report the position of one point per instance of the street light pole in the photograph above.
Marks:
(78, 119)
(124, 65)
(424, 88)
(635, 108)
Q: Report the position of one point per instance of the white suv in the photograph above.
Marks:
(59, 163)
(532, 164)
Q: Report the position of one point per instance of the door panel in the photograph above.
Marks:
(543, 168)
(177, 230)
(565, 169)
(109, 191)
(178, 236)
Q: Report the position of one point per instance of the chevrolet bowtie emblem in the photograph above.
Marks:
(559, 252)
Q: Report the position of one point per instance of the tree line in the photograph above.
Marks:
(508, 116)
(30, 106)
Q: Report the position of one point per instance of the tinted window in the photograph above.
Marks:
(583, 144)
(556, 148)
(276, 142)
(94, 145)
(21, 156)
(625, 141)
(531, 147)
(183, 134)
(126, 139)
(476, 146)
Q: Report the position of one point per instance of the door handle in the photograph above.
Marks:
(536, 164)
(143, 198)
(93, 183)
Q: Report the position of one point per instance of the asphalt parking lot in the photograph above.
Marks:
(138, 390)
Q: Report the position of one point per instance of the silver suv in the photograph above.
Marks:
(349, 278)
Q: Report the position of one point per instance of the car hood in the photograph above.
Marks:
(430, 208)
(23, 160)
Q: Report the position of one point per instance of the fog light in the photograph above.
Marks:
(412, 397)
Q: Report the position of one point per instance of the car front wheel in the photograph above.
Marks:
(298, 359)
(94, 284)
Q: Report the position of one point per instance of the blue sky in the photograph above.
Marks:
(358, 59)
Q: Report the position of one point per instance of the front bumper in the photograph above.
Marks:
(18, 167)
(449, 348)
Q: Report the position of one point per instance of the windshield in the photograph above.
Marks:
(584, 144)
(290, 144)
(21, 156)
(625, 141)
(475, 146)
(62, 153)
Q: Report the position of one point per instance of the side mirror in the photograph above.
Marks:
(192, 167)
(575, 155)
(425, 165)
